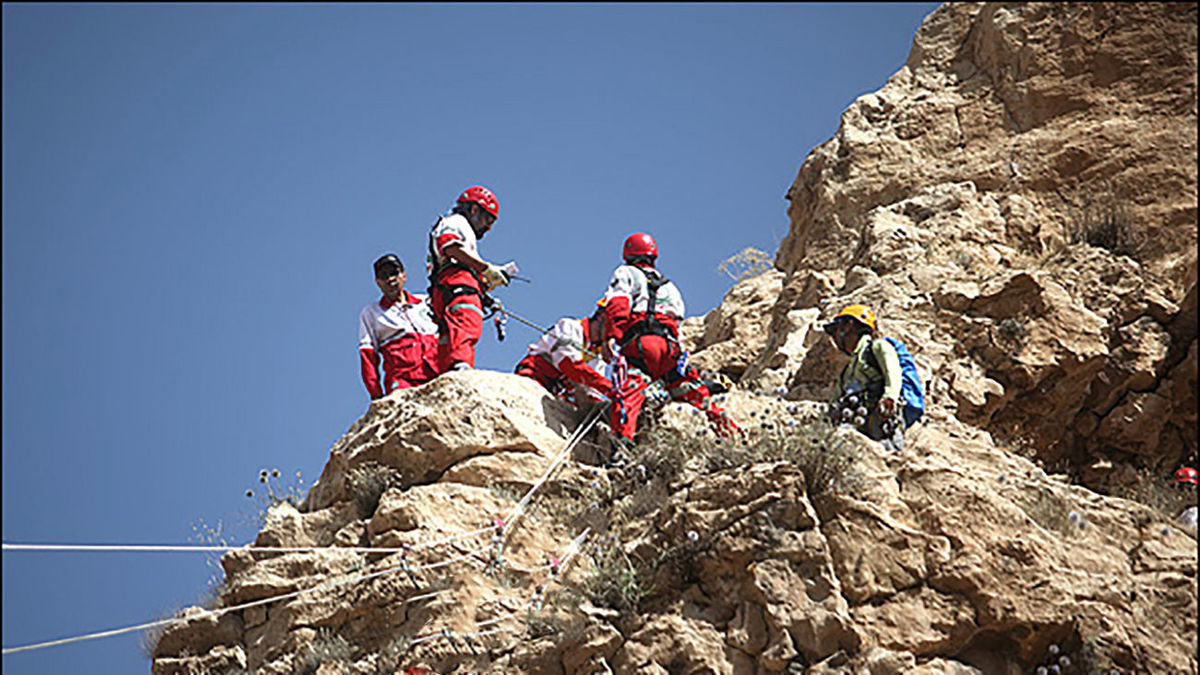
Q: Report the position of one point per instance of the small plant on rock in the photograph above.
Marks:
(827, 460)
(1159, 493)
(274, 492)
(1047, 510)
(326, 648)
(1012, 328)
(367, 483)
(613, 580)
(1104, 222)
(749, 262)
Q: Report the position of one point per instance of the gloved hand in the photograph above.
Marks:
(495, 275)
(721, 422)
(888, 408)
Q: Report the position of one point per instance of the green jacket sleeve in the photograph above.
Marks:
(889, 362)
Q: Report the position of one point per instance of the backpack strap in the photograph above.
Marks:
(650, 325)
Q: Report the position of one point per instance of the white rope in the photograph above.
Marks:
(580, 432)
(587, 351)
(255, 603)
(572, 549)
(200, 548)
(214, 612)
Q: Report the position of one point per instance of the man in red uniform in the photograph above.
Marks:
(459, 277)
(562, 356)
(400, 328)
(642, 316)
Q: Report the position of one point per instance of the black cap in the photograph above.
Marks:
(385, 265)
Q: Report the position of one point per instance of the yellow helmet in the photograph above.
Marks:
(859, 313)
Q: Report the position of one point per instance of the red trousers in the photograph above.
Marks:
(656, 358)
(409, 361)
(459, 318)
(539, 368)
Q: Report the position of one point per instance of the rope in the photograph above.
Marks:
(579, 433)
(255, 603)
(508, 312)
(176, 548)
(217, 612)
(572, 549)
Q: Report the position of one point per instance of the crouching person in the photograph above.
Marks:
(560, 359)
(399, 330)
(868, 389)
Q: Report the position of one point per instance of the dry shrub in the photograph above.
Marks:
(367, 483)
(613, 580)
(749, 262)
(1159, 493)
(326, 648)
(1046, 509)
(1104, 221)
(827, 460)
(1012, 328)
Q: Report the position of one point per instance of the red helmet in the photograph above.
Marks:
(483, 197)
(1185, 474)
(640, 244)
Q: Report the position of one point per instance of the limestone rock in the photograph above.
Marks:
(736, 330)
(426, 431)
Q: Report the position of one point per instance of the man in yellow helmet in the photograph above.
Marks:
(868, 389)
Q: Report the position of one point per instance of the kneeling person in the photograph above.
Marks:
(400, 329)
(558, 359)
(641, 318)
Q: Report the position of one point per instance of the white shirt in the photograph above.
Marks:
(378, 325)
(454, 228)
(564, 341)
(1188, 517)
(630, 282)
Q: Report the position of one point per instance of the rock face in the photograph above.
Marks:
(1018, 204)
(702, 557)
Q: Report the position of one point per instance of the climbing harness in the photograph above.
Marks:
(650, 324)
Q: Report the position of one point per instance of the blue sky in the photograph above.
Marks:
(193, 196)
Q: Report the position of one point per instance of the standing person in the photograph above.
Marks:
(399, 327)
(868, 389)
(562, 357)
(641, 324)
(458, 277)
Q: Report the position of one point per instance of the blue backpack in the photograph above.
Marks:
(911, 393)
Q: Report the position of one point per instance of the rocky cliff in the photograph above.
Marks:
(1018, 204)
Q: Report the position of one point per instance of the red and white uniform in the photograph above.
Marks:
(457, 299)
(628, 298)
(404, 334)
(559, 355)
(451, 229)
(651, 356)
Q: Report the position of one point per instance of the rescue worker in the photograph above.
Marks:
(459, 278)
(561, 358)
(400, 329)
(868, 389)
(1186, 480)
(641, 326)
